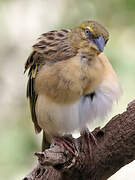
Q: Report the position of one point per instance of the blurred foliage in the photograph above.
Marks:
(21, 23)
(112, 13)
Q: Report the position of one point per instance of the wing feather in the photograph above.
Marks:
(51, 47)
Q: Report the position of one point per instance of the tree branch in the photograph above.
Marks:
(115, 148)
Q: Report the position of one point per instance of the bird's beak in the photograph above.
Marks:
(100, 43)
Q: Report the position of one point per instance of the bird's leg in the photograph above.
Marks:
(64, 141)
(87, 136)
(45, 142)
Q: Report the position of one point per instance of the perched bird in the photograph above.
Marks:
(71, 82)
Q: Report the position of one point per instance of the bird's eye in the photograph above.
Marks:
(87, 32)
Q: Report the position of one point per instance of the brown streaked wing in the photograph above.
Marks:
(55, 45)
(33, 65)
(52, 46)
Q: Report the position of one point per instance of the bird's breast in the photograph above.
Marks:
(66, 81)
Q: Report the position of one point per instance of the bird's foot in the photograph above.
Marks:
(64, 141)
(87, 137)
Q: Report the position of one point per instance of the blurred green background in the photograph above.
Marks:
(21, 22)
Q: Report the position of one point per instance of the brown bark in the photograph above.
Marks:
(115, 148)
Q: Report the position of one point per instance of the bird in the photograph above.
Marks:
(71, 82)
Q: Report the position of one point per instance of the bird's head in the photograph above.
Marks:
(90, 35)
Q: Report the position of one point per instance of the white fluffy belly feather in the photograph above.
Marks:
(57, 119)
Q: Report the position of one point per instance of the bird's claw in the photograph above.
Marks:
(63, 141)
(87, 136)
